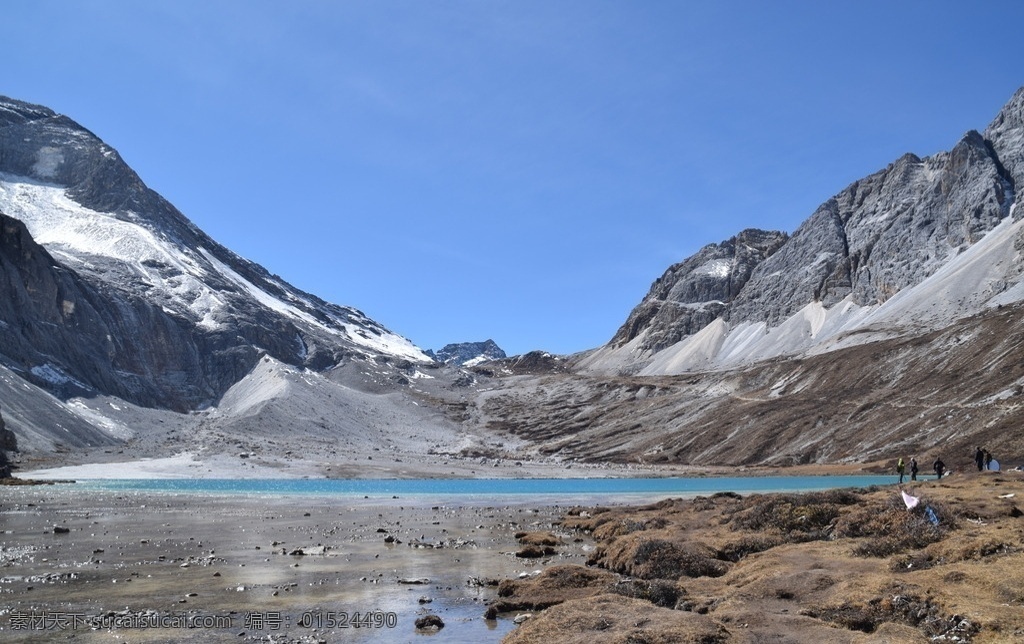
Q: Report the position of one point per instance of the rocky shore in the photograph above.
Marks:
(836, 566)
(92, 565)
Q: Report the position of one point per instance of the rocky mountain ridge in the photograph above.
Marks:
(695, 292)
(468, 353)
(135, 301)
(881, 236)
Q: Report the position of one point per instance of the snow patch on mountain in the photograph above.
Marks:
(99, 419)
(89, 241)
(48, 159)
(716, 268)
(61, 224)
(136, 257)
(261, 296)
(54, 375)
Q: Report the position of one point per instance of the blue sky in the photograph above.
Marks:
(522, 171)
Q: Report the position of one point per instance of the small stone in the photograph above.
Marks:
(429, 622)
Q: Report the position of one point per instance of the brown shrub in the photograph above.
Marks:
(538, 539)
(802, 517)
(613, 619)
(628, 525)
(976, 549)
(553, 586)
(747, 545)
(535, 552)
(659, 592)
(890, 529)
(649, 558)
(899, 607)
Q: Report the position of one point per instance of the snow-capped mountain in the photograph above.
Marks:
(139, 302)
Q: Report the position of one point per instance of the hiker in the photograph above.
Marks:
(913, 469)
(988, 459)
(979, 458)
(900, 468)
(939, 467)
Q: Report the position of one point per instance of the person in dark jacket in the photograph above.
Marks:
(939, 467)
(913, 469)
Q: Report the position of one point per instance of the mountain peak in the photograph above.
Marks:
(1005, 134)
(182, 316)
(468, 353)
(17, 112)
(697, 290)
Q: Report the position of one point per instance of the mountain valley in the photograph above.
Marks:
(888, 324)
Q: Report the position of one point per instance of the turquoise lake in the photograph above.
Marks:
(493, 488)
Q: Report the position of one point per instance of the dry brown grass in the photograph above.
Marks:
(650, 557)
(553, 586)
(843, 566)
(612, 619)
(538, 539)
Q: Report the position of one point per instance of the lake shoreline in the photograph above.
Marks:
(188, 465)
(293, 567)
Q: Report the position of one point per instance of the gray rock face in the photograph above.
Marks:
(692, 293)
(1006, 136)
(880, 235)
(463, 352)
(72, 338)
(883, 233)
(8, 442)
(173, 328)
